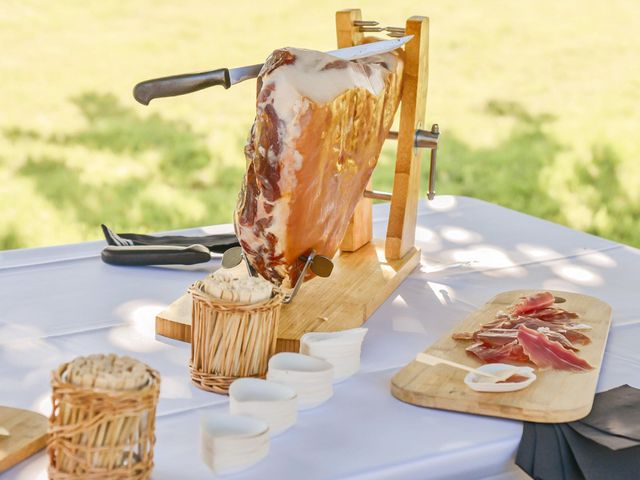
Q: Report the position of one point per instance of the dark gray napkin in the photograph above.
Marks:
(570, 467)
(545, 455)
(527, 450)
(598, 462)
(614, 442)
(602, 445)
(616, 412)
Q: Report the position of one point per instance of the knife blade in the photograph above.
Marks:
(175, 85)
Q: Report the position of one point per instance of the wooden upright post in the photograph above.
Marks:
(348, 34)
(406, 182)
(360, 229)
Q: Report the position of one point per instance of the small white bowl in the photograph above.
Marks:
(310, 377)
(344, 338)
(275, 403)
(341, 349)
(300, 367)
(479, 383)
(230, 443)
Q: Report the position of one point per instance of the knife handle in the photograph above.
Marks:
(155, 255)
(174, 85)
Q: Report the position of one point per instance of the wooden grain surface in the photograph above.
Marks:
(347, 34)
(406, 180)
(28, 434)
(360, 229)
(360, 282)
(556, 396)
(175, 321)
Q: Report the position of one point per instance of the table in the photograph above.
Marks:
(60, 302)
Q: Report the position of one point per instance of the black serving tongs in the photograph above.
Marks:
(156, 255)
(136, 250)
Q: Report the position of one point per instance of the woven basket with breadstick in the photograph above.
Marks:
(102, 425)
(234, 329)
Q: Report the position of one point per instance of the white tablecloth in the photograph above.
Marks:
(60, 302)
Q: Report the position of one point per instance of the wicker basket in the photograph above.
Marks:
(231, 340)
(98, 433)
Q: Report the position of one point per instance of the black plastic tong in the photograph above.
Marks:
(136, 249)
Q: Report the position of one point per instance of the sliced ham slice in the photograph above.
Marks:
(532, 303)
(553, 314)
(562, 326)
(557, 337)
(500, 322)
(566, 329)
(510, 353)
(575, 337)
(547, 353)
(502, 336)
(496, 336)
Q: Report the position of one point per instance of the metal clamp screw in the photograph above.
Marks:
(422, 139)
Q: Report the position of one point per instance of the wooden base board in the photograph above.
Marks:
(556, 396)
(27, 435)
(360, 282)
(175, 321)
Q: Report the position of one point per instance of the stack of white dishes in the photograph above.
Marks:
(310, 377)
(231, 443)
(271, 402)
(340, 349)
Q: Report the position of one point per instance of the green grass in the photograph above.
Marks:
(537, 102)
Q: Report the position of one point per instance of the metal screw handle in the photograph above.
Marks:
(422, 139)
(433, 137)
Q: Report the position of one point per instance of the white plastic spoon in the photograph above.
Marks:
(498, 377)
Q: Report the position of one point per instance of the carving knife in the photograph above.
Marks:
(175, 85)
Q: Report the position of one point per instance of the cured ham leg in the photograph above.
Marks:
(319, 128)
(546, 353)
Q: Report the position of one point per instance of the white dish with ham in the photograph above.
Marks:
(521, 378)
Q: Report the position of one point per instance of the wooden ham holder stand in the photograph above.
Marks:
(366, 271)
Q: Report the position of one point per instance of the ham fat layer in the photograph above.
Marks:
(546, 353)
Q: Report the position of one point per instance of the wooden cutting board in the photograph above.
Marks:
(360, 282)
(556, 396)
(28, 435)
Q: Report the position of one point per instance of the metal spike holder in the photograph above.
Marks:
(373, 26)
(319, 264)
